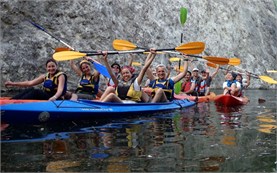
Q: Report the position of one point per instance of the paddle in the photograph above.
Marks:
(271, 71)
(188, 48)
(59, 49)
(183, 19)
(264, 78)
(99, 67)
(44, 30)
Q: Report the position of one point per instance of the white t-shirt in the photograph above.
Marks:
(238, 85)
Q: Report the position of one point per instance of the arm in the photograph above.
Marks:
(60, 88)
(105, 55)
(75, 68)
(33, 82)
(96, 73)
(148, 70)
(216, 71)
(191, 88)
(131, 60)
(182, 74)
(146, 66)
(247, 80)
(169, 71)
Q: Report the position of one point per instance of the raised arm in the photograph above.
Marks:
(96, 73)
(75, 68)
(105, 55)
(183, 73)
(147, 64)
(149, 72)
(215, 72)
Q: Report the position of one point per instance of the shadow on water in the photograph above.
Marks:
(203, 138)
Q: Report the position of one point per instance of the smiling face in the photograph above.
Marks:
(51, 67)
(126, 74)
(239, 78)
(85, 68)
(229, 76)
(115, 69)
(188, 76)
(161, 72)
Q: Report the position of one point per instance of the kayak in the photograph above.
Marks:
(64, 110)
(8, 100)
(199, 99)
(229, 100)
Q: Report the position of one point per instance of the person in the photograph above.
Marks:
(117, 69)
(243, 86)
(231, 86)
(54, 84)
(128, 88)
(187, 85)
(196, 79)
(88, 86)
(204, 86)
(163, 87)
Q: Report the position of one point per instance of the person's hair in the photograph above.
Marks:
(82, 62)
(161, 65)
(115, 63)
(130, 68)
(189, 72)
(51, 60)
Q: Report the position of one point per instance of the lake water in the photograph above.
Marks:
(203, 138)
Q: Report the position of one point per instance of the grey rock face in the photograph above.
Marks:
(243, 29)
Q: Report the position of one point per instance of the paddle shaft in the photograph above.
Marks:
(44, 30)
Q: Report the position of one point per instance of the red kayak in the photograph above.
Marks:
(199, 99)
(229, 100)
(8, 100)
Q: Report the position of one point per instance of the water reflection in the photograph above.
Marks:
(204, 138)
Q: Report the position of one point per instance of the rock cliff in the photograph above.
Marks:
(243, 29)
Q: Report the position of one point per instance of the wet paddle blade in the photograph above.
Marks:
(217, 60)
(67, 55)
(174, 59)
(123, 45)
(101, 69)
(268, 79)
(191, 48)
(234, 61)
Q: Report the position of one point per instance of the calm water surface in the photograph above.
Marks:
(203, 138)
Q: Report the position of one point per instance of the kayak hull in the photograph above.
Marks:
(53, 111)
(229, 100)
(199, 99)
(8, 100)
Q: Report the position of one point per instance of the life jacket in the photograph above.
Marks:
(87, 86)
(126, 91)
(186, 86)
(202, 87)
(167, 85)
(50, 85)
(229, 83)
(197, 84)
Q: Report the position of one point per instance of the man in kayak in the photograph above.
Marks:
(128, 88)
(54, 84)
(163, 87)
(88, 86)
(204, 86)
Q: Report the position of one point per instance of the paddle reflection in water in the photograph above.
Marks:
(198, 139)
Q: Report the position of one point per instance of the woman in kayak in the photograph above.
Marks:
(204, 87)
(54, 84)
(243, 86)
(231, 86)
(163, 87)
(88, 87)
(128, 88)
(188, 86)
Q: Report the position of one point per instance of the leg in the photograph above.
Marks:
(159, 96)
(107, 92)
(74, 97)
(145, 97)
(112, 98)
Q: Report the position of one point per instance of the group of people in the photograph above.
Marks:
(124, 85)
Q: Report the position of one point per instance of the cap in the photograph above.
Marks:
(84, 61)
(195, 69)
(115, 63)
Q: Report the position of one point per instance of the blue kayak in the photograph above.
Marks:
(65, 110)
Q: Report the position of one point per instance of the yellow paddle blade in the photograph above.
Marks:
(67, 55)
(59, 49)
(123, 45)
(211, 64)
(234, 61)
(217, 60)
(191, 48)
(268, 79)
(174, 59)
(272, 71)
(181, 69)
(136, 64)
